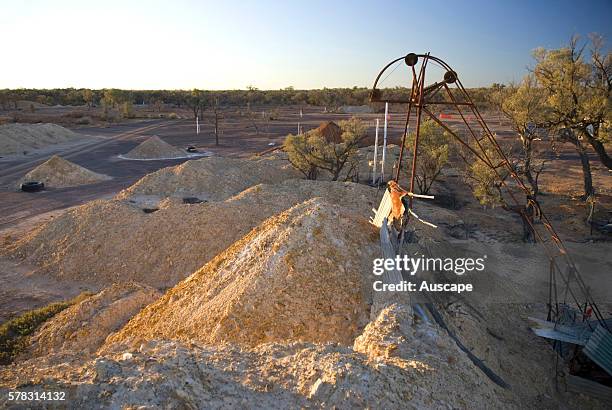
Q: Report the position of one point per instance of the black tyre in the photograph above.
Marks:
(32, 186)
(192, 200)
(191, 148)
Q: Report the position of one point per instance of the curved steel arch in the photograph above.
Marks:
(405, 58)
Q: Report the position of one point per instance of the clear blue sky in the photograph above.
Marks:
(274, 44)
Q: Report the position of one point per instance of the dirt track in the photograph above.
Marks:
(98, 155)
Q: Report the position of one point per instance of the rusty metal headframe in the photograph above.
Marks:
(481, 144)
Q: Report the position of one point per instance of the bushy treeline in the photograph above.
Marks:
(326, 97)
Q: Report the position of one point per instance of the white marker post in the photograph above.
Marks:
(197, 125)
(299, 128)
(375, 153)
(384, 148)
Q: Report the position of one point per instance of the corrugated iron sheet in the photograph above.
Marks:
(580, 385)
(577, 334)
(599, 348)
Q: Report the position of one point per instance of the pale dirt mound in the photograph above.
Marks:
(424, 370)
(84, 327)
(212, 179)
(298, 276)
(57, 172)
(17, 138)
(103, 242)
(155, 148)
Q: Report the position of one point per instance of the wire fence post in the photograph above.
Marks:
(384, 147)
(375, 153)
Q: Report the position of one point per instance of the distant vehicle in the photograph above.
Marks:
(271, 144)
(191, 148)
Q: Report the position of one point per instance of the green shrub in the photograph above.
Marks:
(433, 154)
(311, 152)
(485, 182)
(13, 334)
